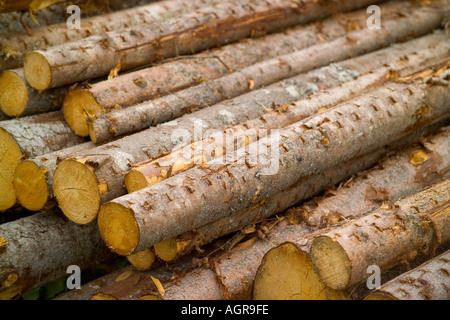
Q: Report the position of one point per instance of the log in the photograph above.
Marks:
(204, 194)
(33, 178)
(236, 269)
(103, 184)
(207, 27)
(396, 177)
(14, 46)
(414, 225)
(47, 243)
(26, 138)
(146, 173)
(259, 75)
(18, 99)
(286, 270)
(136, 87)
(429, 281)
(142, 260)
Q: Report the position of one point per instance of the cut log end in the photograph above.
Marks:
(76, 189)
(379, 296)
(167, 250)
(78, 106)
(136, 180)
(335, 273)
(31, 187)
(118, 228)
(286, 273)
(142, 260)
(37, 71)
(14, 94)
(10, 156)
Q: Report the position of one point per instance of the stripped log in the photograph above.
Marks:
(414, 225)
(204, 194)
(207, 27)
(33, 178)
(26, 138)
(18, 99)
(396, 177)
(102, 184)
(39, 248)
(135, 87)
(149, 172)
(286, 271)
(259, 75)
(15, 45)
(429, 281)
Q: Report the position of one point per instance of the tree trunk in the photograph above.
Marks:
(47, 243)
(18, 99)
(389, 235)
(207, 27)
(14, 46)
(204, 194)
(120, 154)
(394, 178)
(430, 281)
(259, 75)
(136, 87)
(26, 138)
(33, 178)
(282, 271)
(149, 172)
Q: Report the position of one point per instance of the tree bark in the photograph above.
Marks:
(149, 172)
(207, 27)
(47, 243)
(429, 281)
(136, 87)
(15, 45)
(414, 225)
(259, 75)
(120, 154)
(393, 179)
(282, 271)
(202, 195)
(33, 178)
(26, 138)
(18, 99)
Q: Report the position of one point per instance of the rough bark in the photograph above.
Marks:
(135, 87)
(18, 99)
(33, 178)
(365, 192)
(26, 138)
(258, 75)
(394, 178)
(429, 281)
(119, 154)
(47, 243)
(389, 235)
(149, 172)
(207, 27)
(14, 46)
(400, 175)
(205, 194)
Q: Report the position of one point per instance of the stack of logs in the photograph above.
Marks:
(245, 149)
